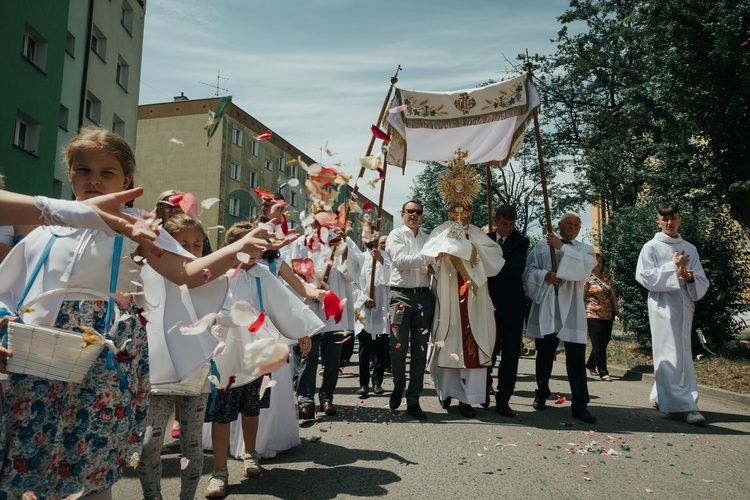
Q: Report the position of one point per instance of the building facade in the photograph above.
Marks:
(173, 153)
(73, 63)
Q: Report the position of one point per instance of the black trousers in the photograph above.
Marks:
(575, 363)
(509, 331)
(600, 333)
(375, 350)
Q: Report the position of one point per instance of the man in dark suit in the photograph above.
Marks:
(509, 300)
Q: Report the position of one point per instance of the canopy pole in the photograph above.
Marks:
(377, 229)
(489, 198)
(543, 174)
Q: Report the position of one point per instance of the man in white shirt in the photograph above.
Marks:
(558, 311)
(411, 308)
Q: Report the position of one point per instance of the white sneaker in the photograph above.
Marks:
(217, 484)
(694, 417)
(251, 464)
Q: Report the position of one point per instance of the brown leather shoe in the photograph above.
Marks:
(328, 408)
(307, 413)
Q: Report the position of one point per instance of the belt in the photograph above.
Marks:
(399, 289)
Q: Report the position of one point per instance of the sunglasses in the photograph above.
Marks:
(413, 211)
(168, 208)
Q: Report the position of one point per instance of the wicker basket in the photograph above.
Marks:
(53, 353)
(192, 386)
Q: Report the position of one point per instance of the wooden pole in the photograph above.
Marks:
(355, 190)
(538, 135)
(489, 198)
(377, 229)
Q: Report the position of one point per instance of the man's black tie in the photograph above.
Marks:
(567, 242)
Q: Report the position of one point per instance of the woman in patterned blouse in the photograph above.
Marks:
(601, 309)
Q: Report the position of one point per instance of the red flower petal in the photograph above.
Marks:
(124, 356)
(400, 307)
(304, 268)
(379, 134)
(367, 206)
(332, 306)
(231, 381)
(255, 326)
(398, 346)
(560, 400)
(261, 192)
(265, 135)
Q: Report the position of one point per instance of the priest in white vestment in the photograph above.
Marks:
(463, 332)
(670, 268)
(558, 312)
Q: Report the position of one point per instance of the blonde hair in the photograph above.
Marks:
(165, 195)
(183, 222)
(100, 139)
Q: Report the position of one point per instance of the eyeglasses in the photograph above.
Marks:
(169, 208)
(413, 211)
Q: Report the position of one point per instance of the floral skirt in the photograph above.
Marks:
(59, 438)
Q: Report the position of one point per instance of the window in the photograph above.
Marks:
(281, 163)
(293, 170)
(293, 199)
(26, 134)
(99, 43)
(93, 109)
(269, 165)
(62, 118)
(118, 125)
(291, 223)
(253, 180)
(253, 211)
(234, 207)
(70, 44)
(122, 73)
(126, 17)
(254, 147)
(234, 171)
(237, 136)
(34, 48)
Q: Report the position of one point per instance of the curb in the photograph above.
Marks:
(703, 390)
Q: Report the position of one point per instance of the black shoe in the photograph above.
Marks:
(466, 410)
(584, 416)
(363, 390)
(445, 403)
(378, 389)
(504, 410)
(415, 411)
(539, 403)
(395, 401)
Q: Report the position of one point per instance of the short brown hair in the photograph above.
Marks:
(506, 212)
(182, 222)
(403, 207)
(667, 209)
(238, 230)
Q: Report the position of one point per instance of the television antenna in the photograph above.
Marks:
(218, 86)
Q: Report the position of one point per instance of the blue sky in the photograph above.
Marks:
(318, 70)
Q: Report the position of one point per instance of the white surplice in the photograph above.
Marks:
(564, 313)
(670, 311)
(375, 318)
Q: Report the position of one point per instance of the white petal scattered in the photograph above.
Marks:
(209, 202)
(243, 257)
(293, 182)
(184, 463)
(177, 141)
(242, 313)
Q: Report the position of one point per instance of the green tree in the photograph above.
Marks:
(718, 240)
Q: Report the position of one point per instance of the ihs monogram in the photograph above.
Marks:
(464, 103)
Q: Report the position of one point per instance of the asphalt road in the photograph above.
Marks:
(368, 450)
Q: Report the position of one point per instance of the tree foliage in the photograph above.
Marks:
(650, 100)
(718, 240)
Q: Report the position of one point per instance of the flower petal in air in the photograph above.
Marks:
(379, 134)
(255, 326)
(177, 141)
(242, 313)
(332, 306)
(266, 356)
(219, 349)
(267, 383)
(199, 326)
(367, 205)
(206, 275)
(304, 268)
(560, 400)
(373, 162)
(265, 136)
(209, 202)
(454, 356)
